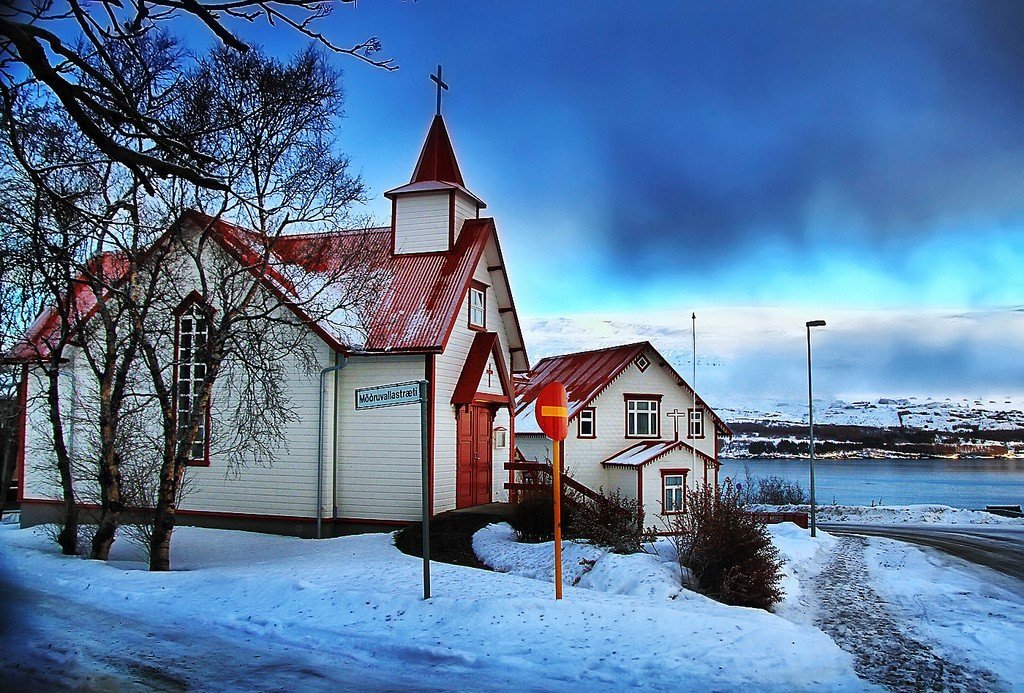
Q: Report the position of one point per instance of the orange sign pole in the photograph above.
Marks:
(556, 449)
(552, 416)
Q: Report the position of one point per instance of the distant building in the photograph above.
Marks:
(634, 425)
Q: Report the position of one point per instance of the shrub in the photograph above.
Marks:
(615, 522)
(533, 517)
(769, 490)
(728, 551)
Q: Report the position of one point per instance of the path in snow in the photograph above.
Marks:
(860, 622)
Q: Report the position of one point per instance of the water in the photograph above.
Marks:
(958, 483)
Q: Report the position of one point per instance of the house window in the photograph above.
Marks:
(586, 424)
(477, 308)
(500, 437)
(190, 341)
(673, 483)
(696, 423)
(642, 418)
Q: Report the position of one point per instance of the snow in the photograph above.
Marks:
(895, 514)
(246, 611)
(961, 610)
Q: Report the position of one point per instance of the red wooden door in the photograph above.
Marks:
(464, 458)
(482, 418)
(473, 456)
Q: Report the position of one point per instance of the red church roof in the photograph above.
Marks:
(585, 375)
(416, 307)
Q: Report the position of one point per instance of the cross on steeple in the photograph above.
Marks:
(440, 85)
(490, 372)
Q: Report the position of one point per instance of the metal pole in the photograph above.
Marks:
(320, 449)
(810, 422)
(557, 489)
(810, 418)
(693, 388)
(425, 480)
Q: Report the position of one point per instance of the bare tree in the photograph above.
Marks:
(69, 46)
(253, 291)
(86, 227)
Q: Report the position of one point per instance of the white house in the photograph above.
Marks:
(634, 425)
(445, 315)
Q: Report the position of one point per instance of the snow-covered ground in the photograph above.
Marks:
(249, 611)
(896, 514)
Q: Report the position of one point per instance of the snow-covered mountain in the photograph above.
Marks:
(930, 370)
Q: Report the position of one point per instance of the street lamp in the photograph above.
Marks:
(810, 416)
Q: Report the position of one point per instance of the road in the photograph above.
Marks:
(999, 548)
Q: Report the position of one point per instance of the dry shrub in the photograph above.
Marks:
(728, 551)
(614, 522)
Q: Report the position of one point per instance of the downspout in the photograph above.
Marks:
(341, 362)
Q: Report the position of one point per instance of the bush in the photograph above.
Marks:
(728, 551)
(769, 490)
(615, 522)
(533, 517)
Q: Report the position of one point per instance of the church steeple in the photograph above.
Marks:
(437, 160)
(428, 212)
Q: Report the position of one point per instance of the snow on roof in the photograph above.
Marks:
(647, 451)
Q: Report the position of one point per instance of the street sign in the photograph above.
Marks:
(388, 395)
(552, 411)
(414, 392)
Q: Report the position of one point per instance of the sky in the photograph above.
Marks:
(662, 157)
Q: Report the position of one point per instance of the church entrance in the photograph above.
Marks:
(473, 456)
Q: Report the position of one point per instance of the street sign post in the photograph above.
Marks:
(395, 395)
(552, 412)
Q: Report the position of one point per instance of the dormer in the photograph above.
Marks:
(427, 213)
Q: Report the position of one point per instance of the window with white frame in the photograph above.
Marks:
(674, 485)
(586, 424)
(696, 423)
(477, 307)
(642, 418)
(193, 329)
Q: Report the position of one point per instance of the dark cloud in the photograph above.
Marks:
(904, 116)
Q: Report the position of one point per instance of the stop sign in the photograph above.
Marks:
(552, 411)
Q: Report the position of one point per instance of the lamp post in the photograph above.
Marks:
(810, 416)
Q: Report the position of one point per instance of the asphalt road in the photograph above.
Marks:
(999, 548)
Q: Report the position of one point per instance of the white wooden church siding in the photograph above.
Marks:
(447, 369)
(378, 449)
(465, 208)
(284, 485)
(421, 223)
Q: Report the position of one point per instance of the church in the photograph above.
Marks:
(445, 315)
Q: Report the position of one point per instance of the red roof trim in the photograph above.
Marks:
(485, 344)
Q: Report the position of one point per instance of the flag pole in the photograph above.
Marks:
(693, 388)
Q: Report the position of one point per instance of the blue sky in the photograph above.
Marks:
(859, 154)
(653, 158)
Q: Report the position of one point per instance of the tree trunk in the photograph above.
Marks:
(164, 514)
(111, 502)
(10, 455)
(68, 537)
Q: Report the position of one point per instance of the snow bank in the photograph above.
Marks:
(737, 636)
(896, 514)
(961, 608)
(247, 611)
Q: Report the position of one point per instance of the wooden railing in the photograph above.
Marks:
(529, 479)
